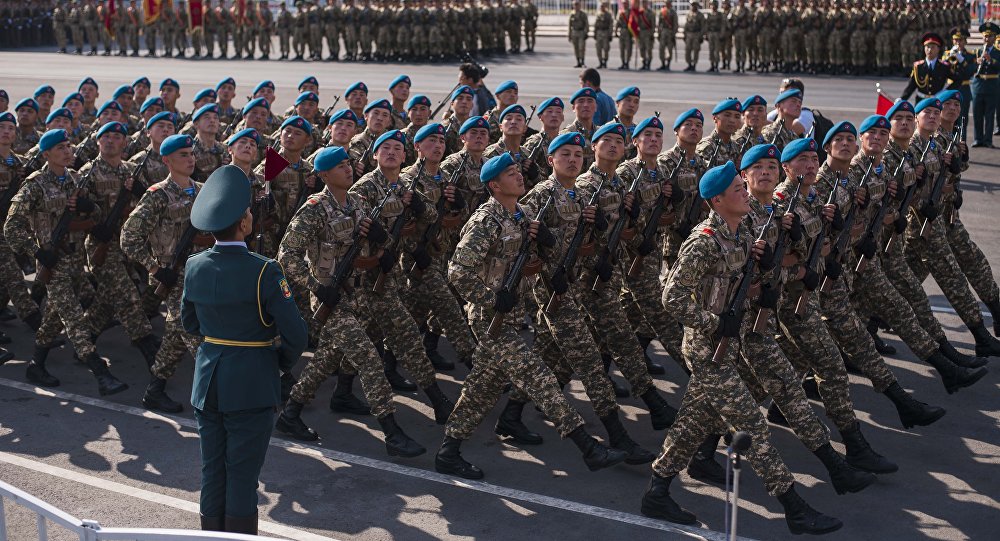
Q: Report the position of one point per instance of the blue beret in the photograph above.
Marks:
(298, 122)
(60, 112)
(464, 89)
(262, 85)
(716, 180)
(474, 122)
(74, 96)
(568, 138)
(245, 132)
(226, 81)
(169, 82)
(7, 116)
(494, 166)
(612, 128)
(309, 80)
(344, 114)
(651, 122)
(797, 147)
(151, 101)
(841, 127)
(753, 100)
(356, 86)
(391, 135)
(110, 104)
(790, 93)
(141, 81)
(428, 130)
(899, 107)
(162, 115)
(728, 104)
(505, 86)
(27, 102)
(122, 90)
(174, 143)
(256, 102)
(758, 153)
(222, 200)
(207, 108)
(328, 158)
(379, 104)
(513, 109)
(44, 89)
(551, 102)
(306, 96)
(690, 113)
(419, 99)
(946, 95)
(400, 79)
(584, 92)
(874, 121)
(205, 93)
(925, 103)
(87, 81)
(112, 127)
(52, 138)
(626, 92)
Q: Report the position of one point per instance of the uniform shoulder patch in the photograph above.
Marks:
(779, 195)
(708, 231)
(285, 290)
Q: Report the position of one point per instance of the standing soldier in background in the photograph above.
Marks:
(791, 38)
(836, 46)
(910, 29)
(883, 25)
(860, 38)
(250, 30)
(265, 30)
(315, 32)
(350, 30)
(624, 36)
(300, 31)
(813, 23)
(119, 22)
(149, 34)
(667, 32)
(224, 28)
(714, 23)
(645, 20)
(603, 30)
(105, 31)
(75, 22)
(210, 27)
(196, 22)
(332, 18)
(59, 20)
(284, 25)
(91, 26)
(366, 16)
(694, 34)
(166, 25)
(531, 26)
(726, 47)
(578, 29)
(515, 16)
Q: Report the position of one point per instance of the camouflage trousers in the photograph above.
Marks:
(602, 43)
(343, 341)
(716, 399)
(668, 45)
(332, 41)
(67, 286)
(223, 37)
(284, 42)
(299, 42)
(431, 302)
(972, 261)
(646, 46)
(692, 45)
(175, 339)
(861, 51)
(14, 286)
(899, 273)
(642, 304)
(121, 298)
(316, 40)
(740, 45)
(579, 48)
(714, 48)
(501, 359)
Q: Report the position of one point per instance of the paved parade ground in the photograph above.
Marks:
(108, 460)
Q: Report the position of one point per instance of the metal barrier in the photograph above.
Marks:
(89, 530)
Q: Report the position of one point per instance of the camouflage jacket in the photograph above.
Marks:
(151, 231)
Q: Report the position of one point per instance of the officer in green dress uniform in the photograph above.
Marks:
(242, 305)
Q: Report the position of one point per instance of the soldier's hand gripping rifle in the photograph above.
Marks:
(225, 133)
(329, 110)
(63, 227)
(177, 259)
(834, 261)
(899, 226)
(565, 273)
(694, 210)
(932, 208)
(512, 281)
(780, 246)
(810, 281)
(609, 255)
(388, 259)
(868, 245)
(421, 254)
(110, 223)
(648, 243)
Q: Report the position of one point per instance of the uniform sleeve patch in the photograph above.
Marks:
(708, 231)
(779, 195)
(285, 290)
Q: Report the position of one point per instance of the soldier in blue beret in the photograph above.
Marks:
(471, 138)
(506, 96)
(551, 116)
(754, 112)
(89, 90)
(45, 95)
(159, 127)
(418, 113)
(378, 119)
(626, 107)
(209, 153)
(584, 104)
(399, 89)
(688, 128)
(13, 165)
(511, 122)
(308, 84)
(462, 102)
(170, 91)
(244, 147)
(26, 135)
(225, 91)
(726, 117)
(785, 129)
(342, 128)
(356, 97)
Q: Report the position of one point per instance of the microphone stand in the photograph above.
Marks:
(740, 443)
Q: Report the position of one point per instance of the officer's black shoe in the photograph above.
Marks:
(431, 347)
(595, 455)
(396, 380)
(290, 422)
(880, 345)
(5, 356)
(37, 373)
(663, 67)
(155, 397)
(861, 455)
(912, 412)
(441, 404)
(953, 376)
(703, 466)
(245, 525)
(213, 524)
(801, 518)
(953, 355)
(106, 382)
(986, 345)
(844, 476)
(148, 346)
(449, 461)
(654, 369)
(510, 425)
(661, 414)
(397, 443)
(657, 503)
(619, 438)
(775, 417)
(343, 399)
(620, 390)
(810, 386)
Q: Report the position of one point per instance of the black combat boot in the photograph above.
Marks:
(397, 443)
(619, 438)
(912, 412)
(156, 397)
(510, 425)
(620, 390)
(661, 414)
(861, 455)
(986, 345)
(148, 346)
(595, 455)
(396, 380)
(804, 519)
(106, 382)
(880, 345)
(290, 422)
(343, 399)
(33, 320)
(442, 404)
(245, 525)
(663, 67)
(775, 417)
(844, 476)
(703, 466)
(811, 387)
(213, 524)
(37, 373)
(657, 503)
(994, 308)
(654, 369)
(953, 376)
(965, 361)
(449, 461)
(431, 340)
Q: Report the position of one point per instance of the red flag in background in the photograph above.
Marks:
(882, 102)
(194, 7)
(108, 15)
(151, 9)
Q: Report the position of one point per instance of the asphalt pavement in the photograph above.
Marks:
(108, 460)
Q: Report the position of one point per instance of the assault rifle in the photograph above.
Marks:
(178, 258)
(567, 265)
(815, 252)
(609, 255)
(648, 243)
(124, 196)
(839, 248)
(780, 245)
(931, 208)
(899, 226)
(866, 248)
(695, 209)
(63, 228)
(431, 233)
(388, 259)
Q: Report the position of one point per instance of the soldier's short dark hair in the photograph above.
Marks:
(228, 233)
(592, 76)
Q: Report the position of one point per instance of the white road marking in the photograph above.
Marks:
(347, 458)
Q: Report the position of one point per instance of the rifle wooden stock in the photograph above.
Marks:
(721, 349)
(803, 302)
(760, 324)
(322, 313)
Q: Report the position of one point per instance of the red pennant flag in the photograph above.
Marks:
(883, 104)
(194, 7)
(274, 164)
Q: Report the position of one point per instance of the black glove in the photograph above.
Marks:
(604, 269)
(165, 276)
(459, 202)
(48, 258)
(810, 280)
(417, 205)
(769, 296)
(900, 223)
(600, 220)
(505, 301)
(421, 257)
(929, 211)
(328, 295)
(958, 200)
(138, 188)
(838, 220)
(376, 233)
(102, 233)
(545, 236)
(647, 246)
(559, 282)
(531, 170)
(766, 261)
(866, 247)
(387, 261)
(729, 326)
(795, 232)
(676, 194)
(833, 269)
(636, 209)
(956, 165)
(84, 205)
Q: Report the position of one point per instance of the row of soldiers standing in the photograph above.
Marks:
(24, 23)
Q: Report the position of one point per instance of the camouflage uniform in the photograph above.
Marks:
(579, 27)
(287, 189)
(603, 30)
(687, 181)
(694, 34)
(332, 20)
(75, 22)
(59, 26)
(225, 29)
(778, 134)
(715, 23)
(10, 272)
(156, 171)
(208, 156)
(666, 30)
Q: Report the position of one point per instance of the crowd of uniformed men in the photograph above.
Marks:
(395, 229)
